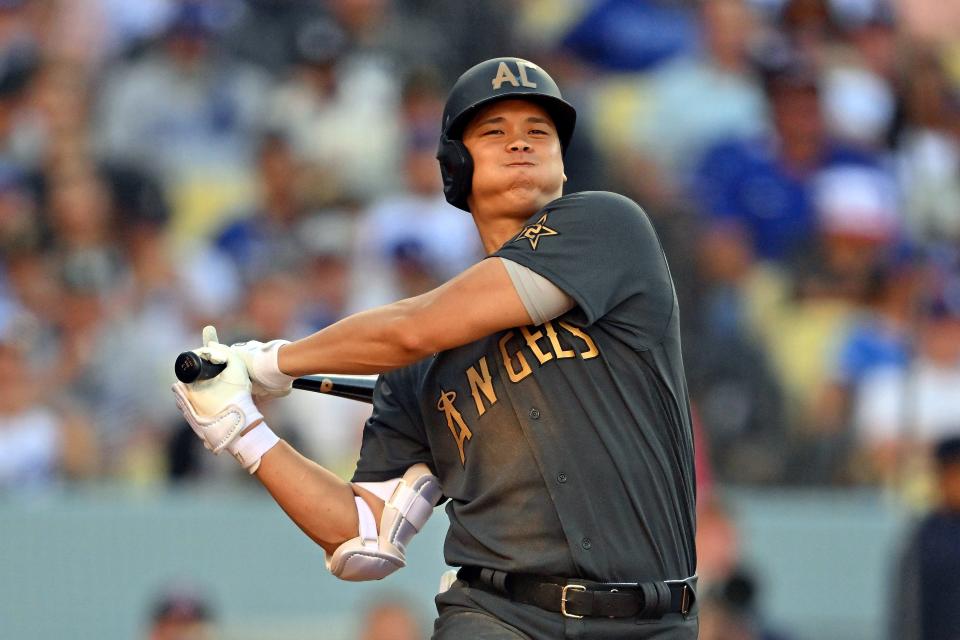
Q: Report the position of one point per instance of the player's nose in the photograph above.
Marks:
(519, 144)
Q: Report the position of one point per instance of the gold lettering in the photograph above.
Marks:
(481, 382)
(525, 370)
(523, 75)
(555, 341)
(592, 351)
(531, 339)
(460, 432)
(505, 75)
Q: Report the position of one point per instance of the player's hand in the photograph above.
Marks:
(220, 408)
(260, 359)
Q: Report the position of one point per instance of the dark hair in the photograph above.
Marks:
(947, 450)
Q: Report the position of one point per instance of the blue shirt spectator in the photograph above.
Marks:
(749, 182)
(765, 183)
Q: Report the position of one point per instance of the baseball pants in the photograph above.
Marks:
(477, 614)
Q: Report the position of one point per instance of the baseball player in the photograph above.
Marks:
(540, 394)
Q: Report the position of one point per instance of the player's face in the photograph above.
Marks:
(518, 165)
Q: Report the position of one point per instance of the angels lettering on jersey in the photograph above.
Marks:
(521, 350)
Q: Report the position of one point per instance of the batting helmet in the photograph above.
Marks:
(495, 79)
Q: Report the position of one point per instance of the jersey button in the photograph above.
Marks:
(586, 543)
(561, 477)
(534, 413)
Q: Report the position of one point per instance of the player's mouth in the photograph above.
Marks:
(520, 164)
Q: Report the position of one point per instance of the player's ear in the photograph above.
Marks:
(564, 176)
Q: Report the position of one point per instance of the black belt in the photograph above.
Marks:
(576, 598)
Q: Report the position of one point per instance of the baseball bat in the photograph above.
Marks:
(189, 367)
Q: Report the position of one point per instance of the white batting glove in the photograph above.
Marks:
(220, 408)
(260, 359)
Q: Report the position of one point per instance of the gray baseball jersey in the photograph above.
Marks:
(564, 449)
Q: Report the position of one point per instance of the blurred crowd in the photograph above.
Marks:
(268, 166)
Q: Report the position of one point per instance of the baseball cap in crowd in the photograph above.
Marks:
(319, 42)
(857, 14)
(198, 19)
(857, 202)
(18, 65)
(181, 604)
(947, 450)
(328, 234)
(858, 104)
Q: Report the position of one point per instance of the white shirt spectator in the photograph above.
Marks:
(445, 236)
(29, 449)
(920, 403)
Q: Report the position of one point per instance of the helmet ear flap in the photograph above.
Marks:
(456, 168)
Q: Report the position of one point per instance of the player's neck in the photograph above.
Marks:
(495, 232)
(497, 224)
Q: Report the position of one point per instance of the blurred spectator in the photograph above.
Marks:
(452, 36)
(880, 335)
(631, 35)
(89, 33)
(930, 21)
(39, 445)
(727, 591)
(763, 183)
(329, 278)
(809, 28)
(19, 62)
(340, 109)
(928, 149)
(732, 379)
(900, 412)
(413, 231)
(858, 225)
(265, 29)
(181, 613)
(926, 585)
(718, 543)
(858, 86)
(730, 611)
(188, 112)
(263, 237)
(695, 100)
(390, 619)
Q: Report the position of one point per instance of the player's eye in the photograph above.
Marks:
(539, 132)
(491, 132)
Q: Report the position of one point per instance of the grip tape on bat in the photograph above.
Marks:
(190, 367)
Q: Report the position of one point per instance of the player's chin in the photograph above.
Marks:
(527, 198)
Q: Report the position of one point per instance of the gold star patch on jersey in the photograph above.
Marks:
(533, 232)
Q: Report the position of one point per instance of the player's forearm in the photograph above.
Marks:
(319, 502)
(477, 303)
(368, 342)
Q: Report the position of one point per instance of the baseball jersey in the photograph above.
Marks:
(566, 448)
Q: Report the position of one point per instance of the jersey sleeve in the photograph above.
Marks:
(393, 439)
(601, 249)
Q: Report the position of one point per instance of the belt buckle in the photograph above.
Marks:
(563, 599)
(685, 599)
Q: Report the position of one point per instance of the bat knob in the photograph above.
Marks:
(189, 367)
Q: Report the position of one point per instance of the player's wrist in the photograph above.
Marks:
(252, 445)
(266, 366)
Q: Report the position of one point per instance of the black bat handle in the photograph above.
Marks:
(190, 367)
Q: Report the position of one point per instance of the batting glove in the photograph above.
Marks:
(260, 359)
(220, 408)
